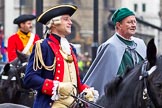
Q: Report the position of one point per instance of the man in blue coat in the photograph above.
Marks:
(52, 69)
(122, 50)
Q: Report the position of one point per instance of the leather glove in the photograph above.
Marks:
(65, 88)
(90, 94)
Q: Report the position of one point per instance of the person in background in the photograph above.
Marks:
(3, 54)
(52, 68)
(118, 53)
(81, 65)
(23, 40)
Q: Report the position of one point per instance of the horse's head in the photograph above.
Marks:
(8, 83)
(17, 67)
(148, 90)
(154, 79)
(11, 86)
(11, 82)
(155, 84)
(11, 76)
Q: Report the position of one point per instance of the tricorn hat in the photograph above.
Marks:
(56, 11)
(23, 18)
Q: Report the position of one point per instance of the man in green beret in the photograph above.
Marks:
(122, 50)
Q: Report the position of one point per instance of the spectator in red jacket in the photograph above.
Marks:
(23, 40)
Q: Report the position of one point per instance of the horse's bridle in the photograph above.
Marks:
(143, 76)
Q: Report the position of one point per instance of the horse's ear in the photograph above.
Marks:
(6, 67)
(18, 52)
(21, 56)
(151, 52)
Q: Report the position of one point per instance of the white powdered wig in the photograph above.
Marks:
(55, 20)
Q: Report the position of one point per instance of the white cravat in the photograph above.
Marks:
(65, 45)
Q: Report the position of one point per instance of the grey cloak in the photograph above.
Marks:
(108, 59)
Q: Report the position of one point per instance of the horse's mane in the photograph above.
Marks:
(112, 87)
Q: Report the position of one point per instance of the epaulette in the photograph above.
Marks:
(38, 58)
(39, 41)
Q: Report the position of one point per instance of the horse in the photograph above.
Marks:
(11, 105)
(140, 87)
(12, 89)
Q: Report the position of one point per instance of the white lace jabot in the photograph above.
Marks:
(65, 46)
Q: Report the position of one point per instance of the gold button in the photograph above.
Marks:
(46, 84)
(58, 58)
(57, 77)
(45, 91)
(58, 71)
(50, 103)
(59, 65)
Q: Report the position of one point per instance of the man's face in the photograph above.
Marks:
(64, 28)
(127, 27)
(26, 26)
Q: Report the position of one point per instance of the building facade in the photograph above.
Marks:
(149, 23)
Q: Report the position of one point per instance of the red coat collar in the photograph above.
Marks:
(56, 41)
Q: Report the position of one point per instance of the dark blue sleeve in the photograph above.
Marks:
(35, 78)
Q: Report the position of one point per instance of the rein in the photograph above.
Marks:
(79, 99)
(143, 76)
(87, 102)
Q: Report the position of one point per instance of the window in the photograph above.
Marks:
(66, 1)
(75, 2)
(105, 4)
(144, 7)
(135, 7)
(22, 2)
